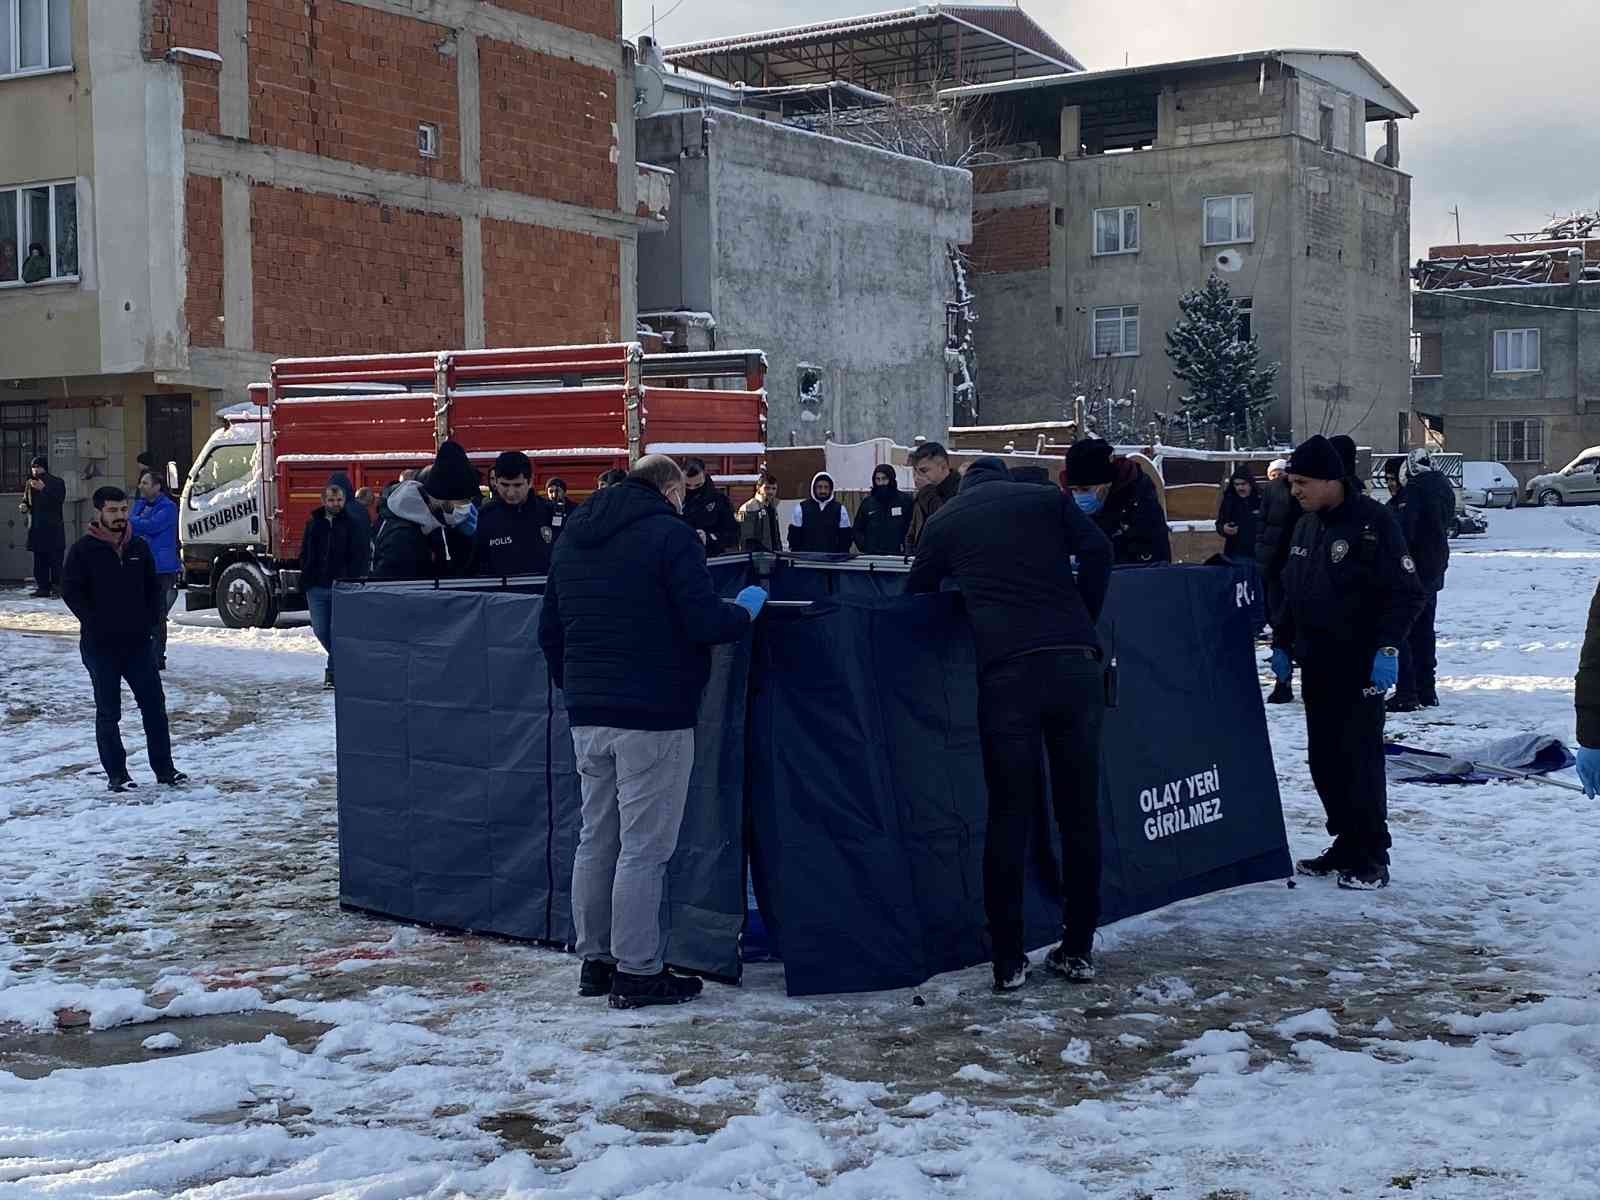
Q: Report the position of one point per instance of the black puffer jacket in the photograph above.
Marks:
(1133, 519)
(47, 533)
(1427, 507)
(1280, 513)
(629, 611)
(882, 520)
(708, 509)
(411, 543)
(334, 549)
(1242, 512)
(1009, 547)
(114, 596)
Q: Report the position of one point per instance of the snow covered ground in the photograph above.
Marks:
(184, 1011)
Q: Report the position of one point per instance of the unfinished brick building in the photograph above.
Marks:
(217, 183)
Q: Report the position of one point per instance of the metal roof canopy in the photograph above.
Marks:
(1345, 69)
(928, 44)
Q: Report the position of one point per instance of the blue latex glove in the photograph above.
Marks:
(1282, 669)
(1589, 771)
(1385, 671)
(751, 600)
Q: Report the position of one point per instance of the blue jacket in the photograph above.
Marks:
(156, 521)
(630, 612)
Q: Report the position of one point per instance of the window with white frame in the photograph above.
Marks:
(1516, 350)
(1116, 331)
(1230, 219)
(1519, 441)
(1116, 230)
(38, 234)
(35, 35)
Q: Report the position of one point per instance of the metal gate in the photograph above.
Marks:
(169, 431)
(24, 432)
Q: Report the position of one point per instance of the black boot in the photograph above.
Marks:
(1008, 977)
(1335, 858)
(1428, 697)
(173, 778)
(1368, 876)
(1282, 693)
(1401, 704)
(327, 679)
(595, 977)
(120, 784)
(642, 991)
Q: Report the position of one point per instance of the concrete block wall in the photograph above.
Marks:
(1229, 110)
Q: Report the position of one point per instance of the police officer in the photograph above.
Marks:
(1350, 594)
(514, 532)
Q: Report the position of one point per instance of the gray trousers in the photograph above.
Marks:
(635, 783)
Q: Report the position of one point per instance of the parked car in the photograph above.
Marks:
(1575, 483)
(1489, 485)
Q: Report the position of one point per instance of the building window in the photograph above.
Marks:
(1519, 441)
(38, 234)
(35, 35)
(1516, 350)
(1230, 219)
(1325, 126)
(1427, 354)
(1116, 331)
(1116, 230)
(1246, 311)
(428, 140)
(23, 433)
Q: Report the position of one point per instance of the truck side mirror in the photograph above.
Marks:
(172, 477)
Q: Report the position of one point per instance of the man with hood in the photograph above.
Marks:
(884, 516)
(1350, 594)
(154, 517)
(355, 500)
(937, 484)
(335, 545)
(47, 532)
(626, 625)
(516, 530)
(109, 583)
(418, 517)
(1239, 515)
(1041, 691)
(1119, 498)
(1280, 512)
(709, 511)
(1427, 508)
(820, 524)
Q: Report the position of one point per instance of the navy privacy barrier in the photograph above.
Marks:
(858, 789)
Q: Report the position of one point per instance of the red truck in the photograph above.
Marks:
(576, 411)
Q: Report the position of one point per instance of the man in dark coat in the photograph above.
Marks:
(109, 583)
(1350, 594)
(1586, 699)
(820, 524)
(47, 533)
(884, 516)
(1041, 691)
(628, 617)
(334, 545)
(709, 511)
(1239, 516)
(937, 484)
(560, 509)
(1426, 510)
(516, 531)
(1118, 497)
(1280, 512)
(419, 521)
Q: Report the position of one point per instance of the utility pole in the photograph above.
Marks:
(1456, 213)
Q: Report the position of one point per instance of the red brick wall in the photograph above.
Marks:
(193, 24)
(598, 17)
(202, 225)
(1011, 239)
(347, 277)
(548, 287)
(546, 125)
(352, 83)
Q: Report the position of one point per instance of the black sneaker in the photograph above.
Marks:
(327, 679)
(1282, 693)
(595, 977)
(1010, 978)
(1401, 704)
(1075, 968)
(121, 784)
(1429, 698)
(1332, 860)
(1368, 877)
(642, 991)
(172, 778)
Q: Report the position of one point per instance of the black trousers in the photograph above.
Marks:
(1419, 661)
(1049, 704)
(134, 660)
(47, 570)
(1344, 734)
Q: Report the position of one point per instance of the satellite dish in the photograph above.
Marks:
(649, 90)
(1382, 156)
(1230, 261)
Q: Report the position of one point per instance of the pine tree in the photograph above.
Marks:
(1229, 386)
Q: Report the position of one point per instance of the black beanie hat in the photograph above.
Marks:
(38, 460)
(1088, 463)
(1346, 446)
(452, 476)
(1317, 458)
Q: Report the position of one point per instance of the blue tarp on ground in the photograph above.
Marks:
(857, 790)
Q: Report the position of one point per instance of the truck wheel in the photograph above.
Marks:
(244, 597)
(1550, 498)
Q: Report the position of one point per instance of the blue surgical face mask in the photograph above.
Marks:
(1089, 502)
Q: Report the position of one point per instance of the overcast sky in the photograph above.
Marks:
(1509, 92)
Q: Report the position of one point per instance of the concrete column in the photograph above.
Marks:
(233, 89)
(627, 196)
(467, 105)
(1391, 133)
(1071, 131)
(472, 281)
(238, 267)
(1167, 118)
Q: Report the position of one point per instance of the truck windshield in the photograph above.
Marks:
(224, 465)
